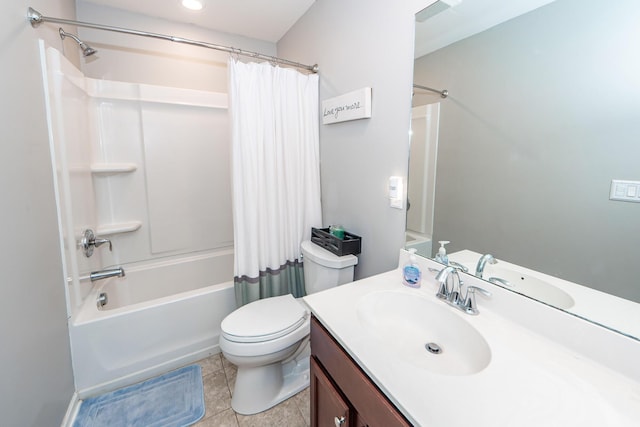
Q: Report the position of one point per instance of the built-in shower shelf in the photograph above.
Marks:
(118, 227)
(112, 168)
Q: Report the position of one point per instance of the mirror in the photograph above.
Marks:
(543, 113)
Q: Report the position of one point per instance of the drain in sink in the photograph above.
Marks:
(433, 348)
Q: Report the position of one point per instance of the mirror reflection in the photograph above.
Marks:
(422, 177)
(542, 115)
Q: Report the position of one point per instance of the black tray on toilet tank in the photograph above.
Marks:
(350, 245)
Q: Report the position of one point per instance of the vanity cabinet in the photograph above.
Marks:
(342, 394)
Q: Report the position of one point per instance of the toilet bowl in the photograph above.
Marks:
(268, 340)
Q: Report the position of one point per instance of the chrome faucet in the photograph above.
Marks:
(105, 274)
(90, 241)
(488, 258)
(452, 295)
(443, 278)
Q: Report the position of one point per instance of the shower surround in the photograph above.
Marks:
(149, 168)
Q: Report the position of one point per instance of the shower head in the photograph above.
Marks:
(86, 49)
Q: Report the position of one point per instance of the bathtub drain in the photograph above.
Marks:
(103, 299)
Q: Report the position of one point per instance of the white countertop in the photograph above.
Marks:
(531, 380)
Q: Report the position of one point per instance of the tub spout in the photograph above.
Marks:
(105, 274)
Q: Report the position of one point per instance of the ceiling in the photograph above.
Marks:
(251, 18)
(465, 18)
(258, 19)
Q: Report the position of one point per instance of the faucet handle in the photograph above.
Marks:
(89, 241)
(499, 281)
(459, 266)
(470, 306)
(100, 240)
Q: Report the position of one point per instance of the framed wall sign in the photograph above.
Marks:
(350, 106)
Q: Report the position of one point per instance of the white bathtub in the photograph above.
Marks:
(159, 316)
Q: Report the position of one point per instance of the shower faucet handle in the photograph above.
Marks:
(101, 240)
(90, 241)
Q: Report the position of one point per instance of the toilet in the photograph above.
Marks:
(268, 340)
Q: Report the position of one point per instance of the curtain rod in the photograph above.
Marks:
(36, 18)
(443, 93)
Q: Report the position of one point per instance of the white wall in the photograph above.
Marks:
(37, 381)
(362, 43)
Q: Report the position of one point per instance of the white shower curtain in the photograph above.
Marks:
(276, 176)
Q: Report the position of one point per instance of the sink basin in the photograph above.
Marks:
(531, 286)
(405, 324)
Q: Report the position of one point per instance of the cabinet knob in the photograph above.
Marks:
(339, 421)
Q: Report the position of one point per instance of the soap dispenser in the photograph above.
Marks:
(411, 274)
(441, 256)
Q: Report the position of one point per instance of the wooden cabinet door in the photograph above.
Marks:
(360, 421)
(328, 407)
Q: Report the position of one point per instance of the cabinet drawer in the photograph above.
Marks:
(363, 395)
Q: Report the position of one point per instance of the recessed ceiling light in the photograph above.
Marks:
(192, 4)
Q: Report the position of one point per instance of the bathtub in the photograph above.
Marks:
(158, 317)
(421, 242)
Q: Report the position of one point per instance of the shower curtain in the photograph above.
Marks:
(276, 176)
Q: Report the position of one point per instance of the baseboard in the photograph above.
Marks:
(72, 411)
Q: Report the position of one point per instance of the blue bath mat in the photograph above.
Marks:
(175, 399)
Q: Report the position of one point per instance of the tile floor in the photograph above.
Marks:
(218, 377)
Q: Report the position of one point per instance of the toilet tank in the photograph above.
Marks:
(323, 269)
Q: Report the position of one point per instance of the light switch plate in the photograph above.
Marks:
(396, 192)
(626, 191)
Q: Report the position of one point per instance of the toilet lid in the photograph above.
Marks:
(264, 320)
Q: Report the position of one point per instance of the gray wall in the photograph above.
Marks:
(37, 381)
(544, 111)
(357, 44)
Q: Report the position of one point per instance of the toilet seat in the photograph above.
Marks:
(264, 320)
